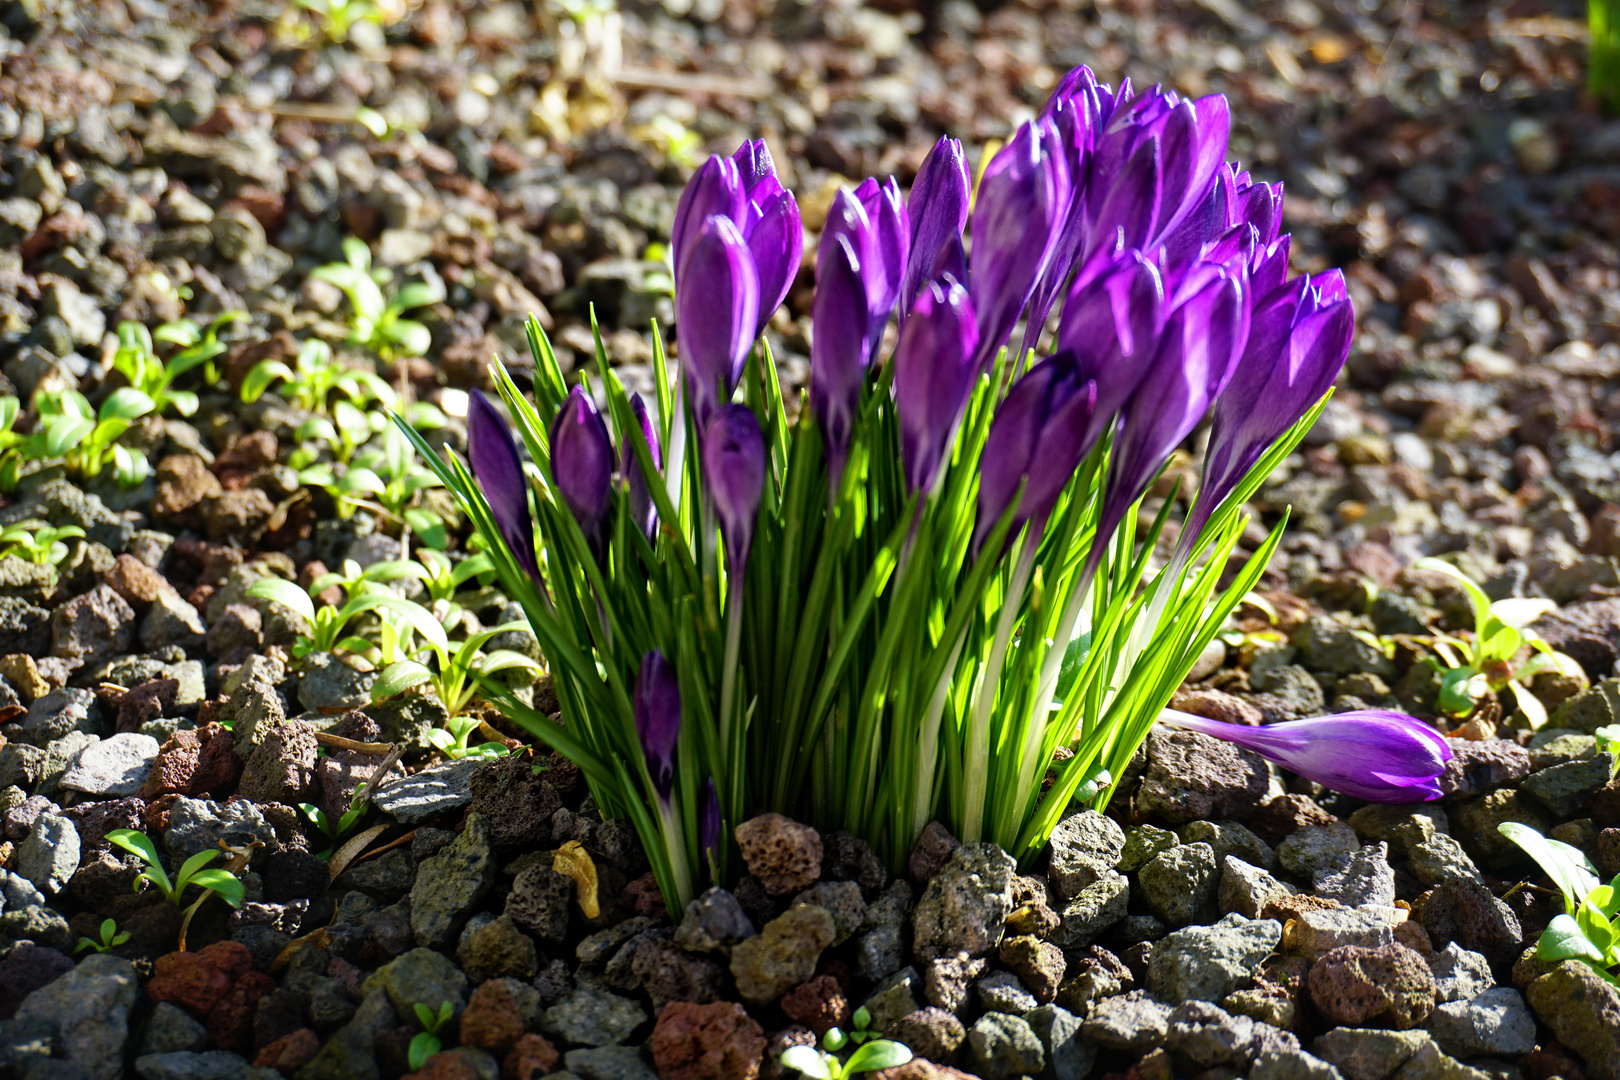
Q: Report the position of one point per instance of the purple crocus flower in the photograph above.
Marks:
(1023, 198)
(1298, 340)
(642, 509)
(1202, 340)
(734, 475)
(1039, 436)
(937, 211)
(889, 250)
(838, 348)
(1111, 327)
(872, 221)
(935, 365)
(716, 190)
(499, 472)
(657, 709)
(1385, 757)
(745, 190)
(582, 465)
(717, 308)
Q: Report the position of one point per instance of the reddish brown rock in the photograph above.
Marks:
(707, 1042)
(1193, 777)
(1288, 814)
(1217, 705)
(246, 458)
(194, 762)
(530, 1058)
(230, 1021)
(183, 482)
(197, 981)
(783, 854)
(931, 852)
(818, 1004)
(135, 581)
(1357, 986)
(491, 1019)
(919, 1068)
(290, 1052)
(642, 896)
(145, 702)
(447, 1065)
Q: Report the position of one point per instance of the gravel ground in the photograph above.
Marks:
(1224, 920)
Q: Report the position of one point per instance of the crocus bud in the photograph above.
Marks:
(734, 475)
(717, 309)
(754, 164)
(1110, 328)
(935, 365)
(937, 211)
(888, 251)
(657, 708)
(1023, 197)
(716, 190)
(582, 465)
(1076, 122)
(642, 509)
(1196, 353)
(1298, 340)
(838, 348)
(775, 238)
(499, 472)
(1039, 436)
(1378, 756)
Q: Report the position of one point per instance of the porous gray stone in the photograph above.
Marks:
(1206, 963)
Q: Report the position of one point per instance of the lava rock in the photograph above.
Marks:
(1583, 1011)
(1003, 1047)
(1179, 885)
(591, 1016)
(451, 884)
(1206, 963)
(784, 855)
(1190, 777)
(782, 955)
(717, 1041)
(1354, 984)
(965, 904)
(87, 1012)
(1084, 847)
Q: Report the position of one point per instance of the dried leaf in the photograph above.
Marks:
(346, 854)
(319, 939)
(572, 861)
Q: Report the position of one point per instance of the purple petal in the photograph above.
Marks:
(754, 165)
(717, 306)
(643, 511)
(657, 709)
(934, 371)
(734, 476)
(776, 241)
(715, 190)
(582, 465)
(493, 453)
(838, 348)
(1038, 438)
(938, 211)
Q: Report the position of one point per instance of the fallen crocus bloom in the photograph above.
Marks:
(1379, 756)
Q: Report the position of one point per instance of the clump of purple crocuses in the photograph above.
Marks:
(909, 600)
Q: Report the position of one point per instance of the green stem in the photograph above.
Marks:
(976, 760)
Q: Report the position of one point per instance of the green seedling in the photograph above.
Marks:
(335, 19)
(395, 477)
(111, 938)
(38, 542)
(314, 378)
(1588, 930)
(428, 1041)
(138, 363)
(86, 439)
(327, 629)
(1608, 737)
(335, 831)
(442, 578)
(1472, 668)
(195, 870)
(12, 445)
(455, 675)
(871, 1053)
(378, 323)
(198, 344)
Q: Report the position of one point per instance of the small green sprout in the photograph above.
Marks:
(314, 377)
(377, 323)
(195, 870)
(335, 831)
(138, 363)
(326, 628)
(455, 675)
(1588, 930)
(198, 344)
(1609, 739)
(395, 476)
(12, 445)
(86, 439)
(428, 1041)
(111, 938)
(38, 542)
(871, 1053)
(336, 18)
(1484, 664)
